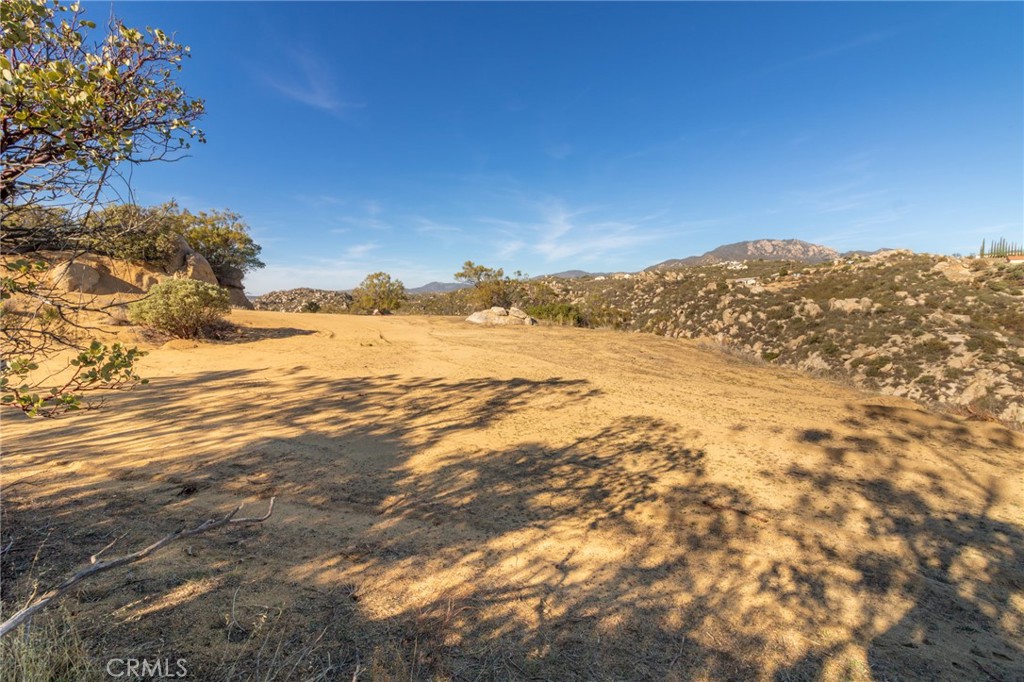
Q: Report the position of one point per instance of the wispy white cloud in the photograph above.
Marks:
(861, 41)
(507, 249)
(369, 219)
(560, 233)
(427, 226)
(359, 250)
(319, 200)
(310, 82)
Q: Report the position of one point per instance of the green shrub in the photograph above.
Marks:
(185, 308)
(561, 313)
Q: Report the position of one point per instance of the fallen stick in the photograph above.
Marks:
(96, 566)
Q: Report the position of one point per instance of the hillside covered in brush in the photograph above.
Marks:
(935, 329)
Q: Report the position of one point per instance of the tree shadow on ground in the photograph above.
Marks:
(617, 552)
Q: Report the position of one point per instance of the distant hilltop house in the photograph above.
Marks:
(1016, 258)
(747, 281)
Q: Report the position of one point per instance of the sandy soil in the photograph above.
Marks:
(465, 503)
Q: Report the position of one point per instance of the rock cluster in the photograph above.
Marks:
(93, 274)
(304, 300)
(501, 316)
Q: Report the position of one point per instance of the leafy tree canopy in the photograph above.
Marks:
(491, 287)
(73, 110)
(379, 292)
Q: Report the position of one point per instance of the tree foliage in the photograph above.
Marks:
(379, 292)
(75, 113)
(223, 239)
(491, 287)
(153, 234)
(73, 110)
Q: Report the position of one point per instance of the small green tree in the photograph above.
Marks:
(185, 308)
(223, 239)
(491, 287)
(379, 292)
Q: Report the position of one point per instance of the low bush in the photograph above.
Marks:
(560, 313)
(185, 308)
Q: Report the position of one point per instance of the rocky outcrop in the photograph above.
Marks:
(954, 271)
(99, 275)
(88, 273)
(501, 316)
(197, 267)
(304, 300)
(231, 279)
(850, 305)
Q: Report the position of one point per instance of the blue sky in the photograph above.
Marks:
(550, 136)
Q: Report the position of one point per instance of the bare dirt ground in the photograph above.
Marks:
(466, 503)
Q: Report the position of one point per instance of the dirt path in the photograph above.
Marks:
(467, 503)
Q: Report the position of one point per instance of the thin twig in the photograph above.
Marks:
(96, 566)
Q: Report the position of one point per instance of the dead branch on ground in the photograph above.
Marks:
(96, 566)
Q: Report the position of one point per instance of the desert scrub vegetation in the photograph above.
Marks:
(185, 308)
(564, 314)
(50, 650)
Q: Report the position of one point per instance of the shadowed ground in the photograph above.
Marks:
(466, 503)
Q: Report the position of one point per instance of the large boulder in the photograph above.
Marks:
(197, 267)
(851, 305)
(74, 276)
(91, 274)
(500, 316)
(176, 260)
(239, 299)
(231, 277)
(954, 271)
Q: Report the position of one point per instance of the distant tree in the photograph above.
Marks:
(379, 292)
(491, 287)
(981, 252)
(223, 239)
(474, 274)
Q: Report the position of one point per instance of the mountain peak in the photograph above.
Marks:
(768, 249)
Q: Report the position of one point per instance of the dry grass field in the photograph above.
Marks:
(463, 503)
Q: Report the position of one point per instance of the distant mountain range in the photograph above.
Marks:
(437, 287)
(768, 249)
(574, 274)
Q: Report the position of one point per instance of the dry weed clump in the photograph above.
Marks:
(47, 649)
